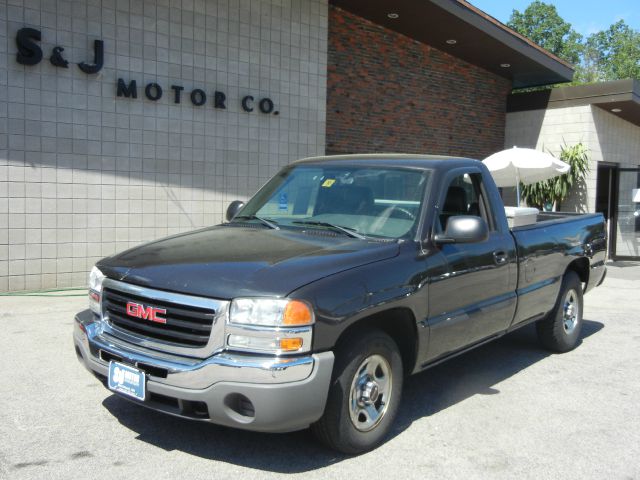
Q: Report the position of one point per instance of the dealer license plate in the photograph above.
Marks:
(126, 380)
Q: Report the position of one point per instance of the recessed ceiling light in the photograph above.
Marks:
(505, 65)
(452, 41)
(393, 15)
(616, 110)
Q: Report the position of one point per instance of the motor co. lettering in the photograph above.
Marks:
(30, 53)
(197, 96)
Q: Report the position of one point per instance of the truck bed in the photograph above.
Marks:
(552, 218)
(544, 250)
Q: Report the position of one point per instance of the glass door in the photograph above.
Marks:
(627, 231)
(606, 200)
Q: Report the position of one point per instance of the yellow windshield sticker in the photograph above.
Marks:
(329, 182)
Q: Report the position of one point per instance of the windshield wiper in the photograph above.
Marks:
(346, 230)
(268, 223)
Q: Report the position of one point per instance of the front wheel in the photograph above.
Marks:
(560, 330)
(364, 395)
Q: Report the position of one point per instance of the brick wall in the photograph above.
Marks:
(387, 92)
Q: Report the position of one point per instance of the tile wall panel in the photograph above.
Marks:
(85, 173)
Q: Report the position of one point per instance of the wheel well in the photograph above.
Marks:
(581, 267)
(400, 325)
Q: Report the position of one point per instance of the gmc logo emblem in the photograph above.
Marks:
(146, 313)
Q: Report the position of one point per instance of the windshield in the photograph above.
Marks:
(361, 201)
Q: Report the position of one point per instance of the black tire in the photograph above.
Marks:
(560, 330)
(336, 429)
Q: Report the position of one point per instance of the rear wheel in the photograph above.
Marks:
(364, 395)
(560, 330)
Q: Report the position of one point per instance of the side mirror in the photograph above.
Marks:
(464, 229)
(233, 209)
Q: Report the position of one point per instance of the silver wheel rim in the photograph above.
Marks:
(370, 393)
(570, 312)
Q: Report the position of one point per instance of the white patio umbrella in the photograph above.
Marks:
(510, 167)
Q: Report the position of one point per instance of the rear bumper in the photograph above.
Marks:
(604, 275)
(260, 393)
(597, 274)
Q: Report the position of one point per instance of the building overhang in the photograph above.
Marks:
(619, 97)
(464, 31)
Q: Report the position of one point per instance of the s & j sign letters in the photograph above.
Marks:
(30, 53)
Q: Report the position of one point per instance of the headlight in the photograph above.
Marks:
(270, 325)
(95, 289)
(270, 312)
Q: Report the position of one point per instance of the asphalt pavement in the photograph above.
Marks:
(506, 410)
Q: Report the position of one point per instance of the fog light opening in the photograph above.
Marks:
(239, 407)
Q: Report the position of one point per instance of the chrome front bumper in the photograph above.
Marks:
(262, 393)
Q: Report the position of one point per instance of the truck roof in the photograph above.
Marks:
(391, 160)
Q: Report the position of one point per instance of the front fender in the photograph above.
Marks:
(348, 297)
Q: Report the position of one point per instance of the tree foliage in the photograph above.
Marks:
(555, 190)
(541, 23)
(611, 54)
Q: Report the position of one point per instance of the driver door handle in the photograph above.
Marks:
(500, 258)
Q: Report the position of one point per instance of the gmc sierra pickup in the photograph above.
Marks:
(341, 276)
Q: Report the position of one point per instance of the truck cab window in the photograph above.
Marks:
(464, 197)
(374, 202)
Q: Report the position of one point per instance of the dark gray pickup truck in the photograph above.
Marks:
(341, 276)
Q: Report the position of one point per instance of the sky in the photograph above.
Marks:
(586, 16)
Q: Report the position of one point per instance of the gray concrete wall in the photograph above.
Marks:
(549, 130)
(607, 137)
(85, 173)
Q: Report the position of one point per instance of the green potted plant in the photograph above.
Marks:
(549, 194)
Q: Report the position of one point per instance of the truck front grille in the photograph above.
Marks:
(179, 324)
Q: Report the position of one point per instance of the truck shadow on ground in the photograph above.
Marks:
(474, 373)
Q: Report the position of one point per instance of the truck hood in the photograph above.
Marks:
(231, 261)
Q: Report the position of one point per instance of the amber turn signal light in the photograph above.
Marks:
(290, 344)
(297, 313)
